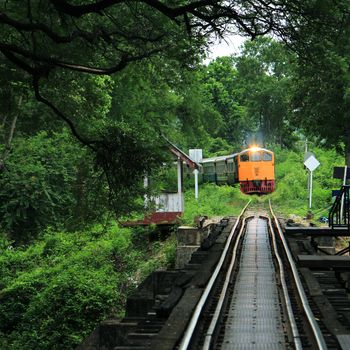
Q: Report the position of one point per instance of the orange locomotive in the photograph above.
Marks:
(253, 168)
(256, 170)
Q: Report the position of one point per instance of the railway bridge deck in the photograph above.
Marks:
(238, 291)
(254, 314)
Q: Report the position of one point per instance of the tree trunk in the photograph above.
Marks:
(13, 126)
(79, 193)
(8, 142)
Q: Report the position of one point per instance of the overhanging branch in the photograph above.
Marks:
(40, 98)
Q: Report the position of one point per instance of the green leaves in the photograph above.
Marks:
(322, 78)
(55, 292)
(264, 80)
(36, 185)
(252, 93)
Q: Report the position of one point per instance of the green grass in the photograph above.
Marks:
(290, 195)
(213, 201)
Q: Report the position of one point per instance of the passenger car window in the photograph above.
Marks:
(267, 157)
(220, 167)
(209, 168)
(256, 156)
(244, 157)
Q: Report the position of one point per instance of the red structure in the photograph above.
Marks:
(258, 186)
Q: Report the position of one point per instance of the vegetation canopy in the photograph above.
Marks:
(103, 37)
(87, 90)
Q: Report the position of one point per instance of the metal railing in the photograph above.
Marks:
(339, 215)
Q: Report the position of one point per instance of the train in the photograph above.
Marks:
(252, 168)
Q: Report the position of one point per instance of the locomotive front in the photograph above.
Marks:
(256, 172)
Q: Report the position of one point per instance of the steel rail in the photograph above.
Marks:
(216, 315)
(185, 342)
(310, 316)
(293, 325)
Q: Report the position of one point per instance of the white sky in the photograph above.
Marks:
(226, 47)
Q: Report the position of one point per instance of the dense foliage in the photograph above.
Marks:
(321, 87)
(252, 92)
(291, 195)
(89, 93)
(54, 292)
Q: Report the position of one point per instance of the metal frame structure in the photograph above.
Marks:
(318, 336)
(339, 215)
(218, 309)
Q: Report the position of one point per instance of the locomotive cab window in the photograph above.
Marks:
(267, 157)
(256, 157)
(244, 157)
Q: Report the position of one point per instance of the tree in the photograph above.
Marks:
(322, 82)
(103, 37)
(65, 52)
(219, 79)
(252, 93)
(264, 83)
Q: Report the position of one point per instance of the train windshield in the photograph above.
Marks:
(256, 156)
(267, 157)
(244, 157)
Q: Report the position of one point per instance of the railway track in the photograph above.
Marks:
(240, 290)
(258, 302)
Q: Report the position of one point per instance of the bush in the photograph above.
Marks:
(291, 194)
(55, 292)
(48, 180)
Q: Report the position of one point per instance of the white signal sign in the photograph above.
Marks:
(312, 163)
(196, 154)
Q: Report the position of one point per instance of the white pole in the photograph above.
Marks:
(179, 184)
(342, 198)
(195, 171)
(310, 194)
(145, 185)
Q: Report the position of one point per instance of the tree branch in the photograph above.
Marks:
(10, 50)
(40, 98)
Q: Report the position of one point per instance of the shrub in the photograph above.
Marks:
(54, 292)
